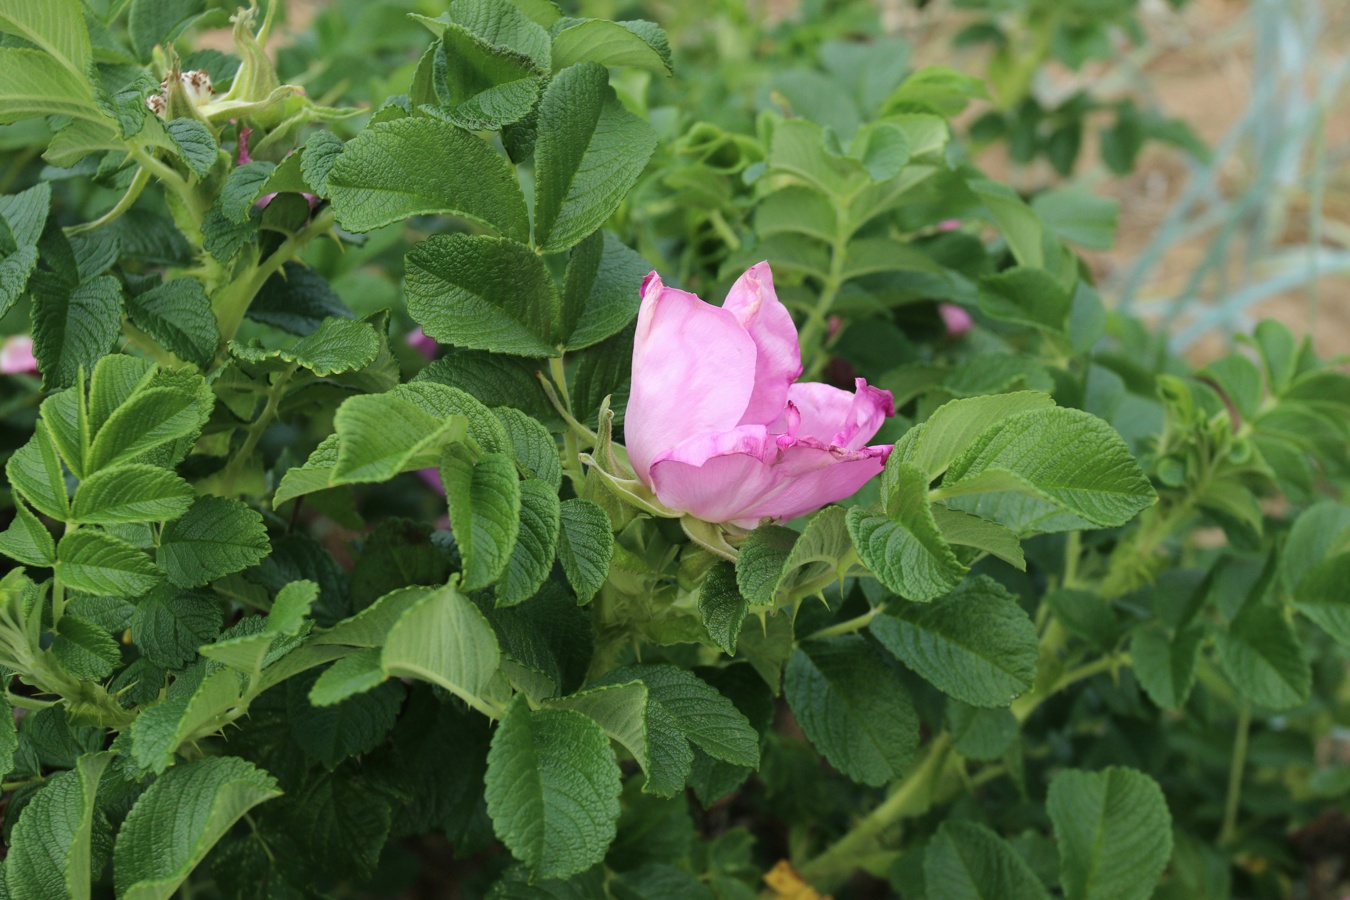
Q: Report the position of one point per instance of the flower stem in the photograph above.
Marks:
(571, 451)
(1230, 811)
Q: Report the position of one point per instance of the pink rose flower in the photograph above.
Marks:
(949, 225)
(424, 345)
(715, 424)
(957, 320)
(16, 356)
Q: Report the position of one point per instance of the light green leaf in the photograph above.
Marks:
(484, 293)
(133, 492)
(1079, 216)
(73, 326)
(150, 418)
(442, 638)
(1262, 654)
(35, 84)
(35, 469)
(84, 649)
(820, 557)
(707, 719)
(213, 538)
(552, 789)
(483, 498)
(355, 674)
(313, 476)
(853, 708)
(179, 818)
(933, 445)
(49, 855)
(1026, 296)
(972, 531)
(1020, 226)
(1114, 832)
(423, 166)
(56, 26)
(975, 644)
(370, 626)
(967, 861)
(904, 548)
(585, 547)
(721, 606)
(27, 540)
(337, 345)
(380, 435)
(159, 730)
(642, 45)
(537, 542)
(99, 563)
(195, 144)
(589, 154)
(1322, 596)
(178, 315)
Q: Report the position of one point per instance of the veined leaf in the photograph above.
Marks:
(585, 547)
(441, 638)
(131, 493)
(1114, 831)
(213, 538)
(484, 504)
(50, 854)
(100, 564)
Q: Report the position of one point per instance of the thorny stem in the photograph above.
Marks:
(857, 623)
(258, 428)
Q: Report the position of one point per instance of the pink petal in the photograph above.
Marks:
(16, 356)
(433, 479)
(957, 320)
(421, 343)
(778, 360)
(835, 416)
(815, 475)
(693, 372)
(716, 477)
(949, 225)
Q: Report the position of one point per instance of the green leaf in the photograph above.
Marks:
(152, 22)
(189, 714)
(721, 606)
(195, 144)
(853, 707)
(955, 425)
(56, 26)
(1321, 596)
(759, 567)
(35, 469)
(85, 649)
(99, 563)
(73, 326)
(498, 24)
(398, 552)
(168, 626)
(706, 718)
(423, 166)
(35, 84)
(639, 44)
(484, 293)
(601, 299)
(149, 419)
(340, 824)
(1114, 833)
(242, 187)
(966, 530)
(820, 557)
(179, 818)
(213, 538)
(479, 86)
(624, 712)
(1085, 615)
(532, 556)
(27, 540)
(1262, 654)
(585, 547)
(178, 315)
(355, 674)
(353, 726)
(1020, 226)
(441, 638)
(552, 789)
(967, 861)
(337, 345)
(50, 856)
(1065, 467)
(904, 548)
(536, 450)
(380, 435)
(975, 644)
(983, 734)
(1026, 296)
(1166, 666)
(484, 505)
(1079, 217)
(589, 154)
(133, 492)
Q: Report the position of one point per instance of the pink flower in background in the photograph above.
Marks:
(715, 424)
(16, 356)
(957, 320)
(949, 225)
(424, 345)
(433, 479)
(245, 134)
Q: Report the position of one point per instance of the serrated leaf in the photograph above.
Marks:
(1165, 666)
(1072, 469)
(442, 638)
(178, 315)
(423, 166)
(355, 674)
(585, 547)
(297, 299)
(370, 626)
(337, 345)
(966, 530)
(1261, 652)
(759, 567)
(483, 498)
(706, 718)
(853, 708)
(224, 239)
(73, 326)
(321, 150)
(953, 426)
(56, 26)
(639, 44)
(168, 625)
(1114, 833)
(975, 644)
(340, 824)
(589, 154)
(966, 861)
(149, 419)
(84, 649)
(1321, 596)
(152, 22)
(133, 492)
(213, 538)
(35, 469)
(195, 144)
(552, 789)
(535, 448)
(189, 713)
(354, 725)
(27, 540)
(531, 558)
(905, 548)
(622, 711)
(484, 293)
(242, 187)
(179, 818)
(50, 856)
(99, 563)
(721, 606)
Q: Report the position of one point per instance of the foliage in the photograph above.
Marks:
(288, 597)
